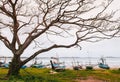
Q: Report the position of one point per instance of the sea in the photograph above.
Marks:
(113, 62)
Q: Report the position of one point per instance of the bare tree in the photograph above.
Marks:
(33, 21)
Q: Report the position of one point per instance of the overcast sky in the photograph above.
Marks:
(109, 47)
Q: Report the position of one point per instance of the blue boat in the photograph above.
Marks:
(5, 65)
(103, 64)
(59, 66)
(56, 65)
(38, 66)
(24, 66)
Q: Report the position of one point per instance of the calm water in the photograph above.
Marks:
(70, 61)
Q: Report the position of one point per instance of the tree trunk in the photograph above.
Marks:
(14, 67)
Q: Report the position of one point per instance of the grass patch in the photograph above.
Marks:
(43, 75)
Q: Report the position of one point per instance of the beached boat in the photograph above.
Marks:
(56, 65)
(4, 65)
(76, 65)
(103, 64)
(38, 65)
(89, 66)
(23, 67)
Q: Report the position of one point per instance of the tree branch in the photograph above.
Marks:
(48, 49)
(5, 41)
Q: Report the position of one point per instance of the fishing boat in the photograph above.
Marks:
(23, 67)
(56, 65)
(40, 65)
(89, 66)
(76, 65)
(3, 64)
(37, 65)
(103, 64)
(6, 65)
